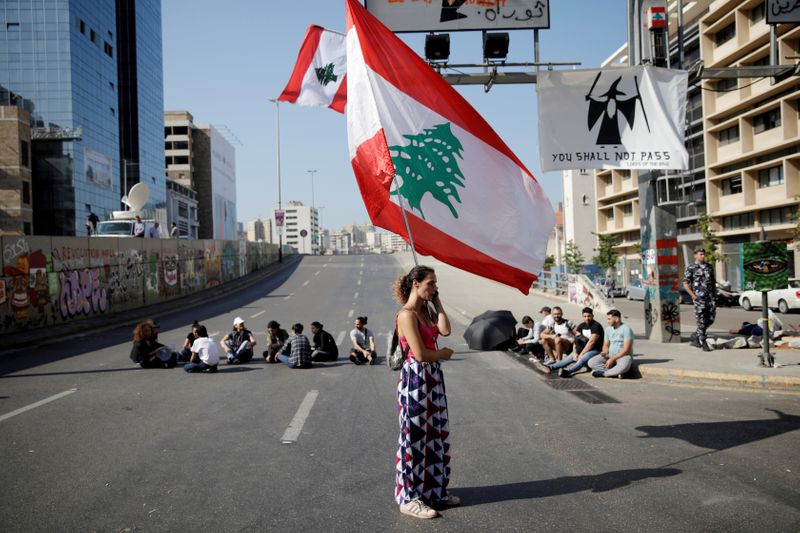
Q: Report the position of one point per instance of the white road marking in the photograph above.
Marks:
(258, 314)
(289, 296)
(213, 334)
(326, 264)
(360, 272)
(350, 313)
(306, 283)
(316, 273)
(296, 425)
(355, 296)
(359, 282)
(340, 338)
(37, 404)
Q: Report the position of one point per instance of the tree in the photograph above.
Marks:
(549, 261)
(606, 257)
(427, 164)
(796, 228)
(573, 257)
(711, 241)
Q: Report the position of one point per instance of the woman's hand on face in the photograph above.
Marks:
(446, 353)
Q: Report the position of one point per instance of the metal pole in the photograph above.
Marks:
(312, 172)
(278, 165)
(536, 48)
(765, 358)
(680, 35)
(405, 220)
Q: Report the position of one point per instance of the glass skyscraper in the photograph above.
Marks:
(64, 56)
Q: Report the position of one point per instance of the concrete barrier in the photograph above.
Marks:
(52, 280)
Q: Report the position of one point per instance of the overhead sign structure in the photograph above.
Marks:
(613, 118)
(783, 12)
(460, 15)
(765, 266)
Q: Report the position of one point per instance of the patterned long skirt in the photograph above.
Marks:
(422, 463)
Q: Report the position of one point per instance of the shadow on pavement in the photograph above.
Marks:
(234, 369)
(563, 485)
(724, 435)
(70, 373)
(642, 361)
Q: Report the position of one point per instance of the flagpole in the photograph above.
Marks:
(405, 220)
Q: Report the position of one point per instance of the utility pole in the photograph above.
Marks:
(279, 229)
(312, 172)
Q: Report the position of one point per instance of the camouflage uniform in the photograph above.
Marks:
(700, 278)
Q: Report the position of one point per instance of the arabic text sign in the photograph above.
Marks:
(765, 266)
(460, 15)
(783, 11)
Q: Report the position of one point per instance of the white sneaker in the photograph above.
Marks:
(419, 509)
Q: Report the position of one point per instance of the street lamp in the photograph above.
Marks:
(312, 172)
(278, 165)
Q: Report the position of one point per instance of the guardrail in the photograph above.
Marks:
(576, 288)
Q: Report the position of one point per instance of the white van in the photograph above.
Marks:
(122, 228)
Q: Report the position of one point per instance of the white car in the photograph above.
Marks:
(784, 299)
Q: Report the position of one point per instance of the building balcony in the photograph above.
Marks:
(731, 203)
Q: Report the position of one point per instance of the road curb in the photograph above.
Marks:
(725, 379)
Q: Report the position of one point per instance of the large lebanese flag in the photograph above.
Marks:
(470, 202)
(318, 78)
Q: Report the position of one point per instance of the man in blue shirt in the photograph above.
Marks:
(617, 355)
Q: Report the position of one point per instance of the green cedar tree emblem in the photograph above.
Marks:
(325, 74)
(428, 165)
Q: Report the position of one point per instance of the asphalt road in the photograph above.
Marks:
(117, 448)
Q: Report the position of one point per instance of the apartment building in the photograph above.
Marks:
(16, 200)
(300, 227)
(742, 138)
(182, 209)
(259, 230)
(751, 136)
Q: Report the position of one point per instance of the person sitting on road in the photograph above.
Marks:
(588, 343)
(557, 339)
(147, 351)
(524, 335)
(296, 353)
(532, 342)
(323, 346)
(238, 343)
(186, 351)
(205, 353)
(276, 338)
(617, 355)
(363, 350)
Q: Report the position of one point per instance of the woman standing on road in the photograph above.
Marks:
(423, 448)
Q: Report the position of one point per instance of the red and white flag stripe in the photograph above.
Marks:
(319, 76)
(469, 200)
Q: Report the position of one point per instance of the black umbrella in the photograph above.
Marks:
(490, 330)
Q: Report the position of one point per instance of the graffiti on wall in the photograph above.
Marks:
(80, 293)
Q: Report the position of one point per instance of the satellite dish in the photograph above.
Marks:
(137, 197)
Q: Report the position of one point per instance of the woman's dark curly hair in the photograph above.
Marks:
(403, 284)
(143, 331)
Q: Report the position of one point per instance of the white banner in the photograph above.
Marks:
(460, 15)
(612, 118)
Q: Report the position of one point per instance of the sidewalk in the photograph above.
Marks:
(466, 295)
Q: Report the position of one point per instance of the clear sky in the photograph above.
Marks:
(222, 60)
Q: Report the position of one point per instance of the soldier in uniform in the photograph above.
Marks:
(699, 282)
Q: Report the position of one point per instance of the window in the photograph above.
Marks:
(183, 210)
(607, 180)
(745, 220)
(584, 200)
(113, 113)
(767, 121)
(26, 228)
(627, 210)
(626, 175)
(12, 26)
(731, 185)
(761, 61)
(108, 49)
(610, 214)
(727, 84)
(24, 154)
(93, 36)
(757, 14)
(729, 135)
(111, 85)
(82, 26)
(725, 34)
(26, 192)
(770, 177)
(779, 215)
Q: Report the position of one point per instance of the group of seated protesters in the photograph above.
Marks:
(559, 345)
(200, 353)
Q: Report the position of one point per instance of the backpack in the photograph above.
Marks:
(397, 355)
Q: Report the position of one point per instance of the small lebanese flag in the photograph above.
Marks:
(470, 202)
(318, 79)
